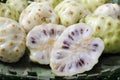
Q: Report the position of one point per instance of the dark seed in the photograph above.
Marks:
(78, 64)
(81, 30)
(44, 31)
(69, 36)
(73, 33)
(82, 61)
(62, 68)
(70, 66)
(52, 31)
(96, 45)
(76, 32)
(33, 40)
(66, 43)
(65, 47)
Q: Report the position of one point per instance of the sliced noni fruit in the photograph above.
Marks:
(75, 51)
(70, 12)
(40, 41)
(37, 13)
(108, 29)
(12, 40)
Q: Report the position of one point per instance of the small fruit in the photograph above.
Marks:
(108, 29)
(18, 5)
(70, 12)
(7, 11)
(75, 51)
(37, 13)
(12, 40)
(92, 4)
(40, 41)
(108, 9)
(54, 3)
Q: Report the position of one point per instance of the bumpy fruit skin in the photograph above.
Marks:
(108, 29)
(37, 13)
(54, 3)
(12, 40)
(7, 11)
(108, 9)
(92, 4)
(18, 5)
(70, 12)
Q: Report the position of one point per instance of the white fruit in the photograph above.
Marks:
(52, 2)
(75, 51)
(18, 5)
(37, 13)
(70, 12)
(108, 9)
(12, 40)
(92, 4)
(40, 41)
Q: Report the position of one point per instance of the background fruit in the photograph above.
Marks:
(37, 13)
(7, 11)
(12, 40)
(108, 9)
(70, 12)
(108, 29)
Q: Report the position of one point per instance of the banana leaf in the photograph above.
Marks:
(108, 68)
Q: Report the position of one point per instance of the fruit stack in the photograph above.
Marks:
(67, 35)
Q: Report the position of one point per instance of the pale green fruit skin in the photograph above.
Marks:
(108, 9)
(52, 2)
(18, 5)
(92, 4)
(108, 29)
(70, 12)
(7, 11)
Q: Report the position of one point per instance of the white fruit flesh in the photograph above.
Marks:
(37, 13)
(109, 9)
(70, 12)
(40, 41)
(75, 51)
(12, 40)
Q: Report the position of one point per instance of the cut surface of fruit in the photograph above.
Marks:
(40, 41)
(37, 13)
(75, 51)
(108, 9)
(12, 40)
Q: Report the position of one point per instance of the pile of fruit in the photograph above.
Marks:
(67, 35)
